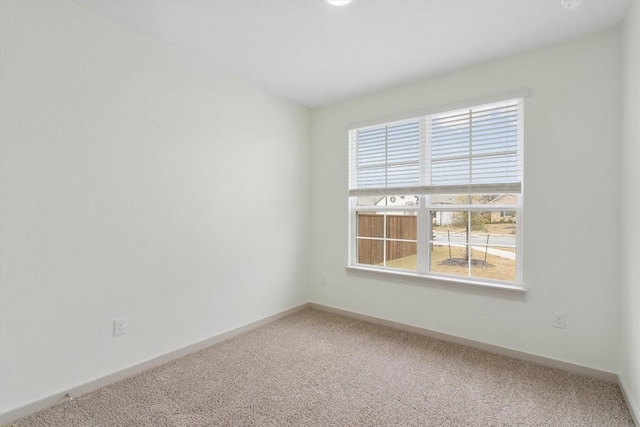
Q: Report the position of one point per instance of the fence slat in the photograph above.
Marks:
(398, 227)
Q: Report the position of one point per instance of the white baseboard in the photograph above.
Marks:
(635, 414)
(79, 390)
(516, 354)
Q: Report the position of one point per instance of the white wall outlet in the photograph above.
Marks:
(559, 320)
(323, 281)
(120, 326)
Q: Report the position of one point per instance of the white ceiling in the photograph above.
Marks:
(316, 54)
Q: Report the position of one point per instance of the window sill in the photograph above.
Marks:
(426, 277)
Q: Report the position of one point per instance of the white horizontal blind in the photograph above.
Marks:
(476, 146)
(386, 156)
(472, 150)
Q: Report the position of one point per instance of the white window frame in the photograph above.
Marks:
(424, 208)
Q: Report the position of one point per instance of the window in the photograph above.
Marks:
(440, 195)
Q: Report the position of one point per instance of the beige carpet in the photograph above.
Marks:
(318, 369)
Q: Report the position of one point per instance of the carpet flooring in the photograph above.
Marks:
(319, 369)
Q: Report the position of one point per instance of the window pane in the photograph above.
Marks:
(475, 199)
(449, 259)
(503, 222)
(476, 145)
(493, 245)
(396, 200)
(494, 262)
(400, 228)
(388, 155)
(479, 223)
(448, 245)
(491, 252)
(449, 222)
(371, 224)
(402, 255)
(398, 249)
(496, 228)
(370, 251)
(368, 200)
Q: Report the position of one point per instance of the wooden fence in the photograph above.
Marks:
(398, 227)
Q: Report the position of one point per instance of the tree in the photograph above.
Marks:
(478, 220)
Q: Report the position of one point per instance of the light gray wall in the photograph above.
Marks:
(630, 284)
(571, 239)
(134, 183)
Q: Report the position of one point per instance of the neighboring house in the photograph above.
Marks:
(442, 217)
(504, 216)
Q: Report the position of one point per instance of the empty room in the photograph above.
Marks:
(319, 212)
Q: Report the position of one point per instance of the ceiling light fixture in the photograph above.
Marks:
(339, 2)
(570, 4)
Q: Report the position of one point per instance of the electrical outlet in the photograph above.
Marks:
(559, 320)
(323, 281)
(120, 326)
